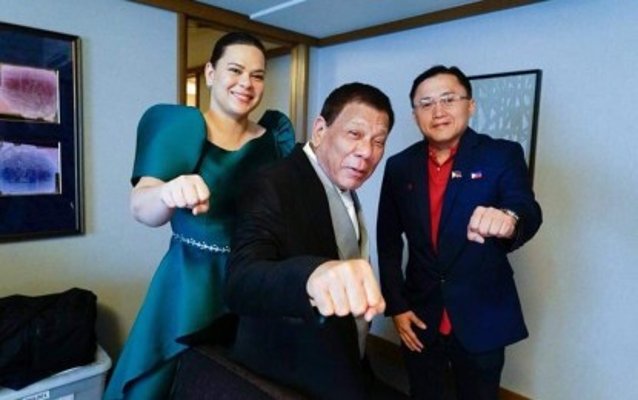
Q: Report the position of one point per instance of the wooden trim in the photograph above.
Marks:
(182, 33)
(450, 14)
(300, 56)
(230, 21)
(278, 52)
(198, 69)
(509, 395)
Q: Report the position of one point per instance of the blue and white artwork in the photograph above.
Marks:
(27, 169)
(505, 107)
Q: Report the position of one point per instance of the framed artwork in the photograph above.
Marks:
(40, 134)
(507, 107)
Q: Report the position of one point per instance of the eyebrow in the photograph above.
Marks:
(232, 63)
(442, 94)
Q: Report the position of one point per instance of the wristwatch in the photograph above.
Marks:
(511, 214)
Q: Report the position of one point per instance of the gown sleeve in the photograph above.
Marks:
(282, 129)
(170, 141)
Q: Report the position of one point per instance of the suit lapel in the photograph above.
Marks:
(315, 204)
(463, 162)
(326, 202)
(420, 181)
(364, 249)
(344, 230)
(342, 225)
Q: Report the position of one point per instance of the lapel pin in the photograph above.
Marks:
(457, 174)
(476, 175)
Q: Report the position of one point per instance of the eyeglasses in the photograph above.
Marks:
(446, 101)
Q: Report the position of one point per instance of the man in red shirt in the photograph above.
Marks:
(463, 201)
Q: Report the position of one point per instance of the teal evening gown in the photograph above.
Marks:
(185, 295)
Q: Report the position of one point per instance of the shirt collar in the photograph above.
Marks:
(345, 194)
(432, 154)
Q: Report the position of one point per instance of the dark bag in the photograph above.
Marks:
(43, 335)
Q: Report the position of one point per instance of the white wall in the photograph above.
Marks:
(126, 66)
(578, 277)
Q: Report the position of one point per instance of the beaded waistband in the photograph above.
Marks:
(213, 248)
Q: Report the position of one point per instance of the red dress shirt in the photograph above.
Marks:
(439, 175)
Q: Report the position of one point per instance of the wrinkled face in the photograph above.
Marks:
(237, 80)
(443, 123)
(351, 147)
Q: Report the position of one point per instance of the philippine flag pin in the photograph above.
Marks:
(476, 175)
(457, 174)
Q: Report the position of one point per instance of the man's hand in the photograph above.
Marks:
(186, 191)
(403, 324)
(490, 222)
(345, 287)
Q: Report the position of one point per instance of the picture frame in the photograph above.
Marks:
(41, 183)
(507, 107)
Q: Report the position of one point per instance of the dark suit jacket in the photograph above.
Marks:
(473, 281)
(283, 234)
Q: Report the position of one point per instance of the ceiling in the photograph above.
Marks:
(327, 22)
(325, 18)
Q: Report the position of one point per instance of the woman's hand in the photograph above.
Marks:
(186, 191)
(154, 201)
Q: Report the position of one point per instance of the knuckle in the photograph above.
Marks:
(341, 311)
(324, 308)
(357, 309)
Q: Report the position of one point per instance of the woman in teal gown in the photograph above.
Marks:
(188, 170)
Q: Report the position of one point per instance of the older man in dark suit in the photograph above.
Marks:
(463, 201)
(299, 275)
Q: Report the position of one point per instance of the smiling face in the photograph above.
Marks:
(442, 125)
(351, 147)
(236, 80)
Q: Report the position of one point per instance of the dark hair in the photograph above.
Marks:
(232, 38)
(438, 70)
(356, 92)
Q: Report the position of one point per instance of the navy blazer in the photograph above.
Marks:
(283, 234)
(473, 281)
